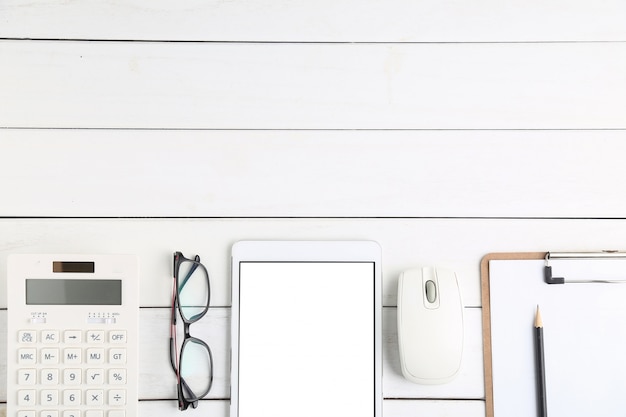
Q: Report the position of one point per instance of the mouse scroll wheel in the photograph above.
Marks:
(431, 291)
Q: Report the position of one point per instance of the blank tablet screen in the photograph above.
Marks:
(306, 339)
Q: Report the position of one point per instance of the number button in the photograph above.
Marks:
(26, 397)
(49, 397)
(49, 413)
(26, 413)
(50, 376)
(26, 377)
(71, 376)
(71, 413)
(71, 397)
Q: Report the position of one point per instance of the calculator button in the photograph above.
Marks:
(95, 355)
(95, 376)
(26, 413)
(49, 397)
(27, 356)
(72, 355)
(50, 413)
(94, 413)
(50, 376)
(72, 397)
(117, 356)
(72, 376)
(95, 336)
(117, 376)
(116, 413)
(49, 356)
(27, 336)
(26, 377)
(26, 397)
(117, 397)
(117, 336)
(72, 336)
(50, 336)
(71, 413)
(94, 397)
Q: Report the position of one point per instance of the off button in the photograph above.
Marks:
(117, 336)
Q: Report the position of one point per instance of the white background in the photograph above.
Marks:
(444, 130)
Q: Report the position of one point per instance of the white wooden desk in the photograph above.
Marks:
(442, 130)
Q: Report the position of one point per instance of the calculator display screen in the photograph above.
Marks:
(73, 292)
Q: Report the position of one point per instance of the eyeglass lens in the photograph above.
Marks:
(195, 367)
(193, 290)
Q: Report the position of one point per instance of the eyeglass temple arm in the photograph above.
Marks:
(173, 355)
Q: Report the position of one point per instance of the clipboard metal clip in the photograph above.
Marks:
(605, 254)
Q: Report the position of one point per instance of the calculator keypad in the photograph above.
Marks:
(71, 373)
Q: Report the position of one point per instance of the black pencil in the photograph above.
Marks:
(540, 371)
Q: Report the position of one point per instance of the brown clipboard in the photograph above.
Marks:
(486, 319)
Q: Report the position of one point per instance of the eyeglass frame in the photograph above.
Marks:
(175, 357)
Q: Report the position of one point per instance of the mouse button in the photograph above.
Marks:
(449, 285)
(431, 291)
(409, 288)
(430, 288)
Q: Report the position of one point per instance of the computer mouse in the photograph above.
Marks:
(430, 325)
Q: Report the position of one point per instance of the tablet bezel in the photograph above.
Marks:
(306, 251)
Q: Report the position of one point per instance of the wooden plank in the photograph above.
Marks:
(312, 173)
(391, 408)
(434, 408)
(458, 244)
(320, 21)
(312, 86)
(168, 408)
(157, 381)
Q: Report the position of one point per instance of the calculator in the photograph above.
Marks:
(72, 335)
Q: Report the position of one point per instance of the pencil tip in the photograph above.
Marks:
(538, 322)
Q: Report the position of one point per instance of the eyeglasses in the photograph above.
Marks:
(193, 366)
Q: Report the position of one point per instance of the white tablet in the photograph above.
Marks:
(306, 329)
